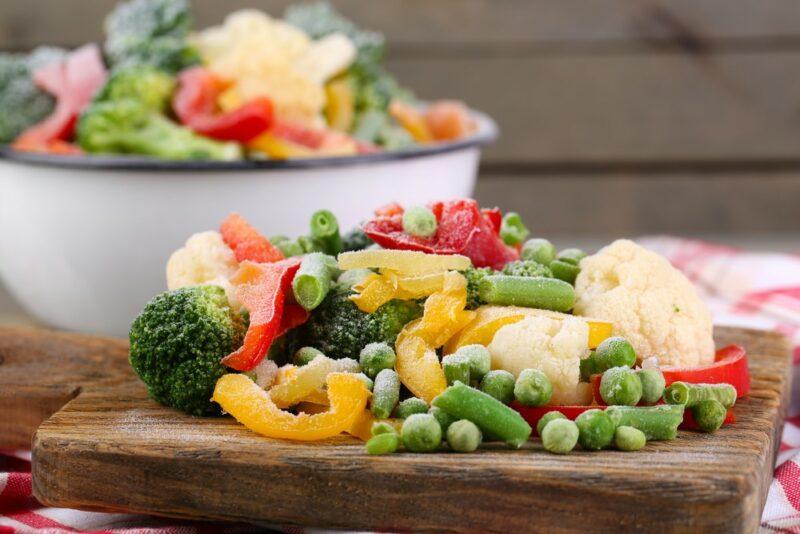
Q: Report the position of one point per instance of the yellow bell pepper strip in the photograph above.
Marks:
(253, 407)
(362, 427)
(490, 319)
(303, 382)
(412, 120)
(340, 108)
(378, 289)
(403, 262)
(417, 363)
(277, 148)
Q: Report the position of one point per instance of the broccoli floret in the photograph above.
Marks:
(22, 104)
(176, 344)
(128, 126)
(340, 330)
(152, 32)
(527, 268)
(150, 85)
(474, 277)
(355, 239)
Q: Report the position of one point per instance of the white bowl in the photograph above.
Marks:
(84, 241)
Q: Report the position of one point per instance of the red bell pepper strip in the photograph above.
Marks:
(729, 367)
(195, 104)
(246, 242)
(463, 229)
(293, 316)
(262, 289)
(389, 210)
(73, 82)
(494, 216)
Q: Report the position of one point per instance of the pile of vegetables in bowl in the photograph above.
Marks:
(311, 84)
(434, 324)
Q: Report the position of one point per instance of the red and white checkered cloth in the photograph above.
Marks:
(742, 289)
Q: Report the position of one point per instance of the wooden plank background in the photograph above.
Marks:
(617, 116)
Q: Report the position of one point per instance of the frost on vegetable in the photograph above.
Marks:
(650, 303)
(205, 259)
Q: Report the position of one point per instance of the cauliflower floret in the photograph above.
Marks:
(554, 346)
(205, 259)
(649, 302)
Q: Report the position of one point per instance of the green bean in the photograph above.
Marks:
(492, 416)
(382, 427)
(546, 418)
(409, 407)
(352, 277)
(421, 433)
(539, 292)
(325, 230)
(375, 357)
(444, 418)
(571, 255)
(499, 384)
(385, 393)
(621, 385)
(653, 384)
(513, 230)
(658, 422)
(383, 444)
(614, 351)
(539, 250)
(480, 360)
(628, 438)
(560, 436)
(709, 414)
(565, 271)
(456, 368)
(690, 394)
(312, 281)
(596, 429)
(288, 247)
(533, 388)
(305, 355)
(419, 221)
(280, 238)
(464, 436)
(588, 367)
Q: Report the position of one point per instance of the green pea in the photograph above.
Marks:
(571, 255)
(628, 438)
(709, 414)
(533, 388)
(621, 385)
(546, 418)
(614, 351)
(419, 221)
(383, 444)
(409, 407)
(539, 250)
(513, 230)
(653, 384)
(499, 384)
(565, 271)
(421, 433)
(456, 368)
(382, 427)
(596, 429)
(305, 355)
(464, 436)
(375, 357)
(480, 360)
(444, 418)
(560, 436)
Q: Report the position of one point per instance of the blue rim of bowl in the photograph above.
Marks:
(486, 133)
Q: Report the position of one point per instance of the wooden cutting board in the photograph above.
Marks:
(111, 448)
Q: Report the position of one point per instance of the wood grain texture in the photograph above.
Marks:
(114, 449)
(40, 371)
